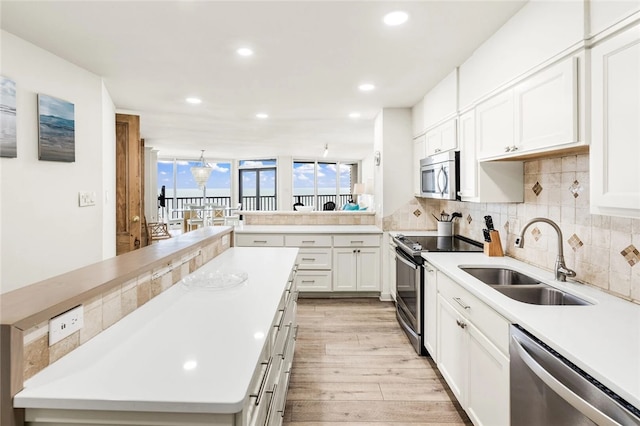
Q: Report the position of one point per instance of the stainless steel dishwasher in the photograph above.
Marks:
(548, 390)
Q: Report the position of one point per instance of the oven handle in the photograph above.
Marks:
(406, 262)
(564, 392)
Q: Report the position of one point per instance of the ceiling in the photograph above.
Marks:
(309, 58)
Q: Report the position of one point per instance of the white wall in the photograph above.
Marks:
(540, 30)
(44, 232)
(392, 178)
(108, 194)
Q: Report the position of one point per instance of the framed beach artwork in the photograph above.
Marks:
(8, 139)
(56, 129)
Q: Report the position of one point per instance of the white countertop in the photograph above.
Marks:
(184, 351)
(602, 339)
(307, 229)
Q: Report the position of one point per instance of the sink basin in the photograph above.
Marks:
(541, 295)
(500, 276)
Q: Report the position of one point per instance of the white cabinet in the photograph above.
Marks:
(419, 150)
(442, 138)
(486, 182)
(473, 348)
(430, 327)
(495, 125)
(537, 115)
(615, 133)
(356, 269)
(547, 108)
(391, 258)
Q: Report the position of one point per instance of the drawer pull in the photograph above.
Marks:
(286, 391)
(311, 259)
(287, 339)
(281, 311)
(260, 241)
(263, 382)
(462, 324)
(461, 303)
(308, 241)
(308, 281)
(357, 242)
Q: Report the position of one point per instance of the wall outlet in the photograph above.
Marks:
(65, 324)
(86, 198)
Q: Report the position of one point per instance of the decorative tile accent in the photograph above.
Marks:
(575, 242)
(469, 219)
(576, 188)
(417, 213)
(536, 233)
(631, 254)
(537, 188)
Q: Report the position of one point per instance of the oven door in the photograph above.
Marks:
(408, 297)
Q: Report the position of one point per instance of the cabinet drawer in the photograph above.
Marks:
(314, 258)
(488, 321)
(307, 240)
(372, 240)
(259, 240)
(313, 280)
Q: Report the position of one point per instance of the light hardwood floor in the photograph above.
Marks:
(353, 365)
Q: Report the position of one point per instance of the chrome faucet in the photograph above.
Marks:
(562, 272)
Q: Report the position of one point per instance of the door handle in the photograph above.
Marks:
(135, 219)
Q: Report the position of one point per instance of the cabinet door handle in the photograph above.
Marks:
(461, 303)
(308, 281)
(260, 241)
(357, 242)
(462, 324)
(263, 382)
(309, 258)
(309, 241)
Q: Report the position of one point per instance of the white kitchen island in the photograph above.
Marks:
(193, 355)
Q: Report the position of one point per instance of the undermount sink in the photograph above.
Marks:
(521, 287)
(500, 276)
(541, 294)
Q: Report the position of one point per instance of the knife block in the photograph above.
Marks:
(494, 248)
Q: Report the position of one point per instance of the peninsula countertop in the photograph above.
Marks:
(603, 339)
(190, 349)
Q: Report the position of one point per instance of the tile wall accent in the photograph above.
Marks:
(603, 250)
(102, 311)
(317, 218)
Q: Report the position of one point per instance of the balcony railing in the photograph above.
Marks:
(176, 206)
(262, 203)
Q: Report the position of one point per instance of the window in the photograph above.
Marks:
(316, 183)
(258, 185)
(181, 188)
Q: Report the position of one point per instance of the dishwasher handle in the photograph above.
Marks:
(564, 392)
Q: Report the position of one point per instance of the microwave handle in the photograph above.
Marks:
(442, 188)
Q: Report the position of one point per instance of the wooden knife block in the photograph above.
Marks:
(494, 248)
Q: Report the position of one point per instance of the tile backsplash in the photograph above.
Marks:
(603, 250)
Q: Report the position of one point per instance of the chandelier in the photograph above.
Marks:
(202, 172)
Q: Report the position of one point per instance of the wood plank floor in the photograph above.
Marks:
(353, 365)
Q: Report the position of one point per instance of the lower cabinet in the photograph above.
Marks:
(473, 354)
(430, 295)
(328, 263)
(356, 269)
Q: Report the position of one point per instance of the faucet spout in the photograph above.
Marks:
(561, 270)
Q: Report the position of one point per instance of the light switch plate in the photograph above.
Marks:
(65, 324)
(86, 198)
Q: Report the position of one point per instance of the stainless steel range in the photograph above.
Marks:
(410, 279)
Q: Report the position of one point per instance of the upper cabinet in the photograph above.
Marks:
(442, 138)
(537, 115)
(615, 133)
(440, 104)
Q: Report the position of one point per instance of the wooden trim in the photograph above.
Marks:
(11, 374)
(29, 306)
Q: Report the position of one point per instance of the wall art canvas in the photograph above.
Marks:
(56, 129)
(8, 139)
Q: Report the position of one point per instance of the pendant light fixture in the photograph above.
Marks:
(202, 172)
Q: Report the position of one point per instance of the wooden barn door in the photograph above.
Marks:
(129, 184)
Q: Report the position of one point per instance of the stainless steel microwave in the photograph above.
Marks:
(440, 176)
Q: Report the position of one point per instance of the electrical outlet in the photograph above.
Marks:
(86, 198)
(65, 324)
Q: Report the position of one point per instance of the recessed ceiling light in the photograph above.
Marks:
(194, 101)
(354, 115)
(395, 18)
(244, 51)
(262, 115)
(366, 87)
